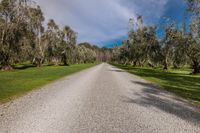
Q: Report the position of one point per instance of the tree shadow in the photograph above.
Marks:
(182, 84)
(24, 66)
(63, 65)
(151, 97)
(116, 70)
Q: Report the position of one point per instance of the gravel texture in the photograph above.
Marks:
(102, 99)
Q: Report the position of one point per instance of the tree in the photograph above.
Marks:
(142, 47)
(180, 57)
(193, 49)
(168, 45)
(13, 26)
(153, 49)
(116, 54)
(52, 39)
(69, 48)
(194, 6)
(36, 19)
(85, 55)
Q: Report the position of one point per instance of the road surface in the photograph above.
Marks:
(102, 99)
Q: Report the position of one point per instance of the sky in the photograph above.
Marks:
(105, 22)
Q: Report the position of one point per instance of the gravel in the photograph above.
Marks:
(102, 99)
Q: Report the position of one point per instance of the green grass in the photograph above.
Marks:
(26, 78)
(178, 81)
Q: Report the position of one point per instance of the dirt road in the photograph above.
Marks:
(102, 99)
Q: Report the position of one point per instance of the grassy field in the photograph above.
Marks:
(178, 81)
(26, 78)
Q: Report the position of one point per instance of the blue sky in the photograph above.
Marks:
(105, 22)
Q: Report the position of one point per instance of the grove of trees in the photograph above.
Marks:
(179, 46)
(23, 37)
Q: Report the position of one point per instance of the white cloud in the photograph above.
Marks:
(100, 20)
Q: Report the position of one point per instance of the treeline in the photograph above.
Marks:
(177, 48)
(23, 37)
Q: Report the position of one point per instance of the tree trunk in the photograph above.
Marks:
(6, 65)
(165, 65)
(151, 64)
(2, 39)
(39, 61)
(64, 59)
(126, 62)
(196, 67)
(176, 66)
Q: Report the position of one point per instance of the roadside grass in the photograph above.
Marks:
(26, 78)
(178, 81)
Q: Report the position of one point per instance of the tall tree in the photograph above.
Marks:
(168, 45)
(52, 39)
(193, 48)
(68, 49)
(36, 21)
(153, 49)
(13, 26)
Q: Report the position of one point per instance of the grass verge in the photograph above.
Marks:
(22, 80)
(178, 81)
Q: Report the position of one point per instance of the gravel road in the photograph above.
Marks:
(102, 99)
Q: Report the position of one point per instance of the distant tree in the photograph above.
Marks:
(142, 46)
(86, 44)
(180, 57)
(116, 53)
(70, 45)
(168, 45)
(85, 55)
(153, 49)
(52, 40)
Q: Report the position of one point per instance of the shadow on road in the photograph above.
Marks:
(116, 70)
(151, 97)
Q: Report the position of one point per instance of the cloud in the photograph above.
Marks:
(151, 10)
(98, 21)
